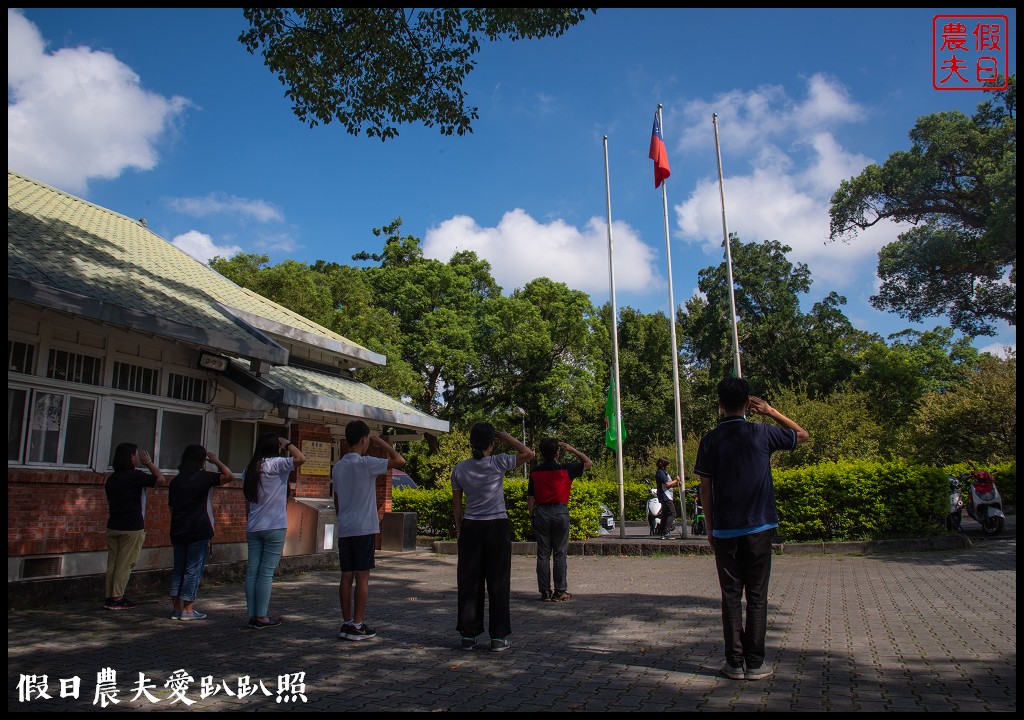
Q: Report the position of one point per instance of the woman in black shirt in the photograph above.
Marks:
(126, 497)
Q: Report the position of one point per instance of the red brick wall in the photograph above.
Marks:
(55, 511)
(51, 512)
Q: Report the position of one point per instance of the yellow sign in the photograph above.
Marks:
(318, 457)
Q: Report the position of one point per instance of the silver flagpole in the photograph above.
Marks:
(685, 533)
(615, 349)
(728, 256)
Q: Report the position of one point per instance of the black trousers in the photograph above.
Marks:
(485, 563)
(668, 516)
(744, 567)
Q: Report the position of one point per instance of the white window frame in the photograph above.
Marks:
(67, 391)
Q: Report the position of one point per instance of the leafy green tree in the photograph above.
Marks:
(374, 68)
(898, 375)
(560, 378)
(243, 269)
(841, 426)
(648, 393)
(436, 307)
(958, 185)
(780, 346)
(432, 466)
(359, 319)
(976, 421)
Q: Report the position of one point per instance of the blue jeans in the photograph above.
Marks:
(265, 549)
(189, 561)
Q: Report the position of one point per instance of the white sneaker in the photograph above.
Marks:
(734, 673)
(758, 673)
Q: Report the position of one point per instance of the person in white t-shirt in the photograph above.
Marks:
(354, 482)
(265, 486)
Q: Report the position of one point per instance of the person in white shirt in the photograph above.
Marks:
(354, 481)
(265, 486)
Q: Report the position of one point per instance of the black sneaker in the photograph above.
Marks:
(345, 629)
(562, 596)
(359, 632)
(468, 643)
(545, 596)
(123, 604)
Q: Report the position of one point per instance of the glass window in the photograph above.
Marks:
(44, 433)
(16, 406)
(78, 440)
(162, 433)
(136, 378)
(237, 441)
(177, 431)
(19, 356)
(134, 425)
(185, 387)
(74, 367)
(60, 429)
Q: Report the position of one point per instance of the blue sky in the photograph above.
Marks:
(163, 114)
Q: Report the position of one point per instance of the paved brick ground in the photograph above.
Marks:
(910, 631)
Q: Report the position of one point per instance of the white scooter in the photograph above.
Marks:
(983, 502)
(654, 512)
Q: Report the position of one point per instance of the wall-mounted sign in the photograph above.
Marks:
(318, 457)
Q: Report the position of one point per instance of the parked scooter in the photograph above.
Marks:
(698, 526)
(956, 505)
(983, 503)
(654, 512)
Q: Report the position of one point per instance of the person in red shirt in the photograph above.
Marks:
(548, 500)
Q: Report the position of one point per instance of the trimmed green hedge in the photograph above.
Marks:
(849, 500)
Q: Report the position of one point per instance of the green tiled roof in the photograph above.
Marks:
(68, 254)
(335, 394)
(104, 260)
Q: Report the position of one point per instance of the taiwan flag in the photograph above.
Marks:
(658, 154)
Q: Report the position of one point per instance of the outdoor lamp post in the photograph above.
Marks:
(522, 414)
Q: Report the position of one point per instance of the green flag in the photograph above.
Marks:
(609, 419)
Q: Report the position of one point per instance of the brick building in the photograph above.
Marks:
(115, 335)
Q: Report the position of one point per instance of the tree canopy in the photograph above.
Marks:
(781, 346)
(958, 186)
(371, 69)
(457, 347)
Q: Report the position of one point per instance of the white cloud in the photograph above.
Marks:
(1000, 350)
(220, 203)
(747, 120)
(283, 243)
(201, 246)
(521, 249)
(77, 114)
(787, 163)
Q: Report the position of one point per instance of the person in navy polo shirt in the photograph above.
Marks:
(733, 463)
(547, 495)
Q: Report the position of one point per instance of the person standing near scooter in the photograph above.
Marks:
(666, 498)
